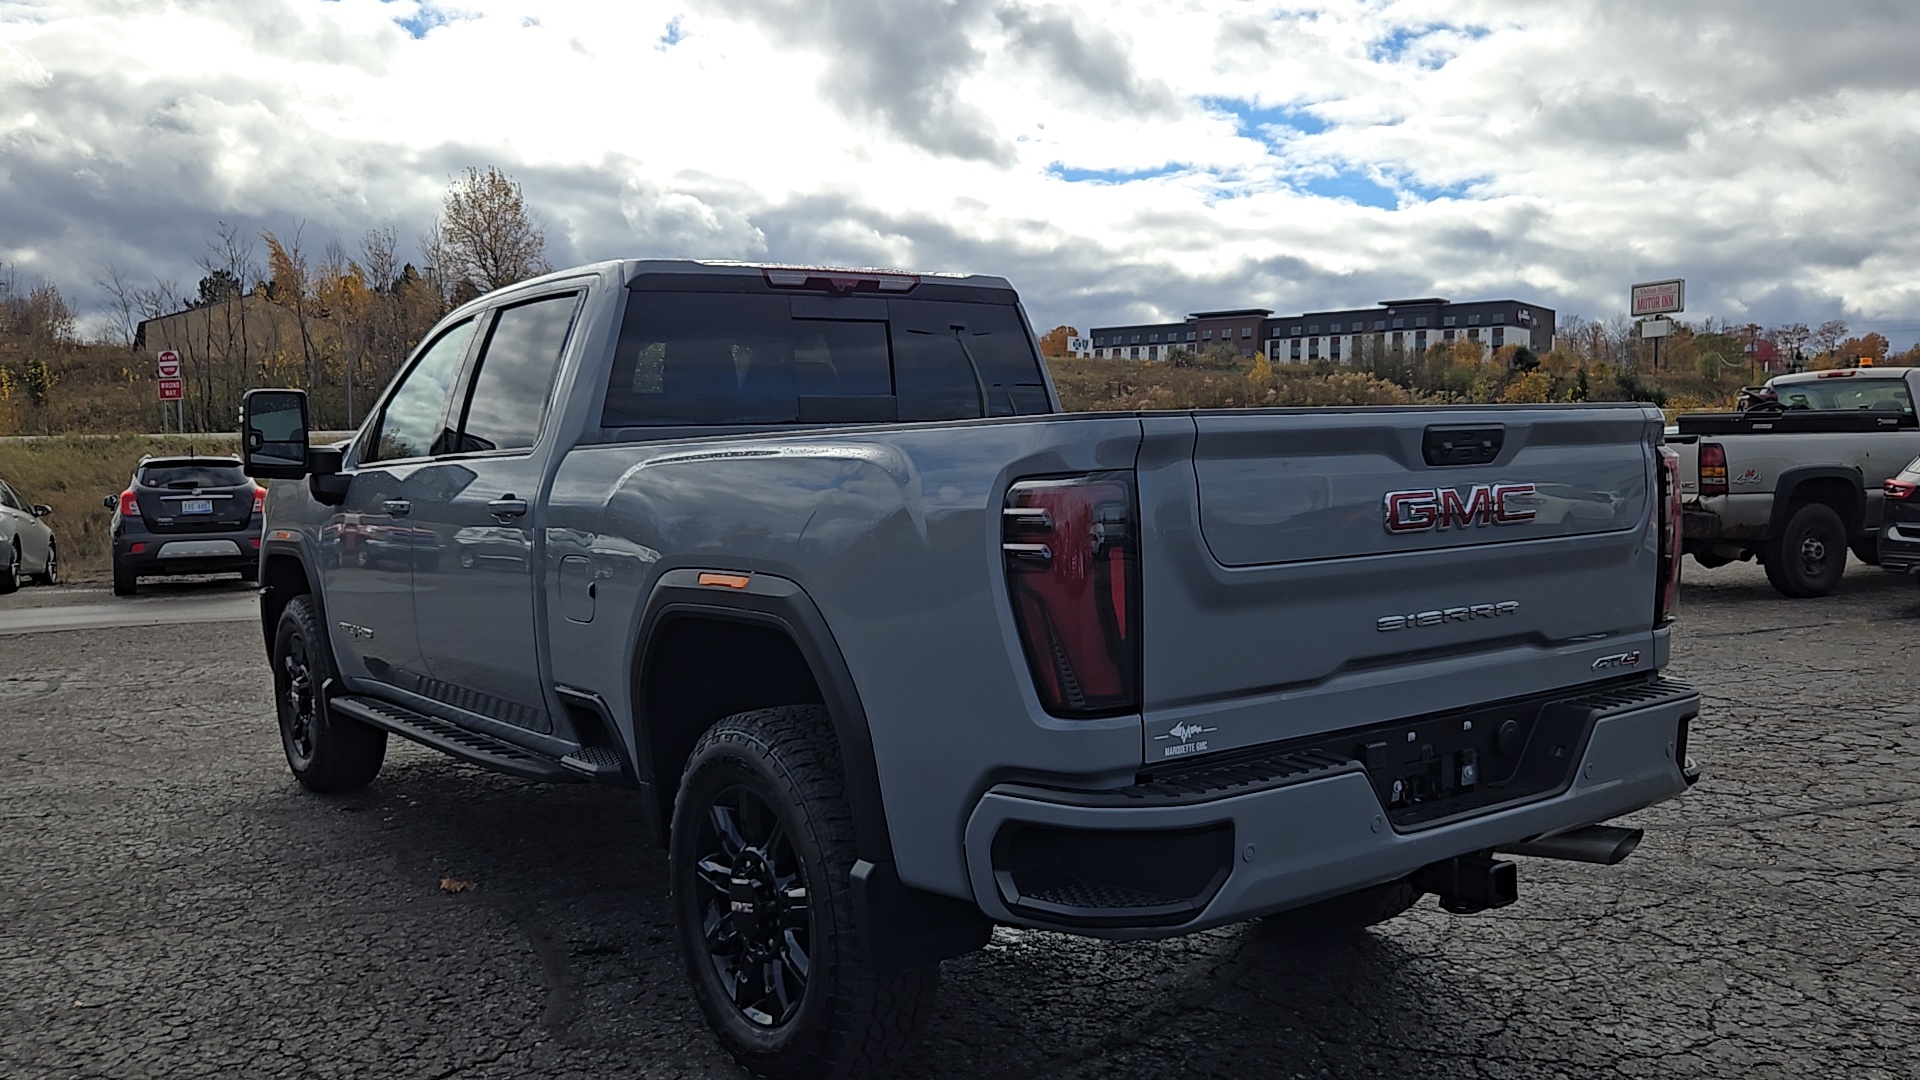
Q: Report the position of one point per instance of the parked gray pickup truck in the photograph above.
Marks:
(893, 651)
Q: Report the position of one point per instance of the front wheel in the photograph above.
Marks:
(1809, 554)
(762, 852)
(326, 753)
(50, 574)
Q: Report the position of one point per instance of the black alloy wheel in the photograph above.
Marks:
(1808, 556)
(754, 907)
(325, 752)
(761, 856)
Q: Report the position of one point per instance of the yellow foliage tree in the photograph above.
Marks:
(1534, 386)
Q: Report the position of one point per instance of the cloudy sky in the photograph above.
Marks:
(1119, 160)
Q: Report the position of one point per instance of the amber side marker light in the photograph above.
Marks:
(725, 581)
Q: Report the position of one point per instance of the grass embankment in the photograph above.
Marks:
(71, 473)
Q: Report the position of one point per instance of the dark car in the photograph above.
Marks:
(26, 544)
(1900, 521)
(186, 515)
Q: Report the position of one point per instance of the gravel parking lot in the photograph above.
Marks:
(172, 905)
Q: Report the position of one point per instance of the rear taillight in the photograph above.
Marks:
(1899, 489)
(1713, 469)
(1073, 572)
(1667, 515)
(259, 500)
(129, 504)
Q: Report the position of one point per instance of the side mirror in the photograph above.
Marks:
(41, 509)
(273, 434)
(110, 501)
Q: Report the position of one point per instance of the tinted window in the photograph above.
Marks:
(1847, 392)
(192, 475)
(699, 358)
(413, 421)
(510, 395)
(930, 369)
(8, 498)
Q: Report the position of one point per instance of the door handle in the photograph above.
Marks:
(507, 507)
(397, 506)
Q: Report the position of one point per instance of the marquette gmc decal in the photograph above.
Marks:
(1447, 508)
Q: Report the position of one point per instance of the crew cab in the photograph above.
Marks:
(1797, 480)
(892, 650)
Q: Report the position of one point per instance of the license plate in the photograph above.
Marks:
(197, 506)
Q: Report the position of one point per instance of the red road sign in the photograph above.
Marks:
(169, 364)
(171, 390)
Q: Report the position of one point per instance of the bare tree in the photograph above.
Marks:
(1828, 336)
(124, 298)
(484, 237)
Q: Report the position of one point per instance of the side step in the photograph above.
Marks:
(449, 738)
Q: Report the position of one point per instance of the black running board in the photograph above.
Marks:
(452, 739)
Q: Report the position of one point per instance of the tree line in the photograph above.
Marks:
(269, 309)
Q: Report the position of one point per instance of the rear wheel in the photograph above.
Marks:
(1809, 554)
(50, 575)
(326, 753)
(125, 582)
(762, 853)
(10, 573)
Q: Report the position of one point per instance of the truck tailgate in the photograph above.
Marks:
(1308, 572)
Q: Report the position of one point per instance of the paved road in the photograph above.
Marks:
(172, 905)
(98, 608)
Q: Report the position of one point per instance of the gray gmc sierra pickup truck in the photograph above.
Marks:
(894, 651)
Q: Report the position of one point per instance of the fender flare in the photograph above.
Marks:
(292, 549)
(1852, 515)
(780, 604)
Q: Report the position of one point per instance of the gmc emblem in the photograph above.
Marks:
(1446, 508)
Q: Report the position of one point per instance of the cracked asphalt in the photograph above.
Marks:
(172, 905)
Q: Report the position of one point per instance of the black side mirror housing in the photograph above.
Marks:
(41, 509)
(273, 434)
(110, 502)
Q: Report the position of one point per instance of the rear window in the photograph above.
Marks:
(719, 358)
(1847, 393)
(204, 475)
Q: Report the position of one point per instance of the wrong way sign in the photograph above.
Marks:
(168, 364)
(171, 389)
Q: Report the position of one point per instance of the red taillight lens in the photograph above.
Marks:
(1667, 515)
(1073, 572)
(259, 500)
(129, 504)
(1713, 469)
(1899, 489)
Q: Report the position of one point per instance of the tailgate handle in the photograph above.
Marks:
(1462, 445)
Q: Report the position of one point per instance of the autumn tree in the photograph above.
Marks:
(1054, 341)
(1867, 346)
(484, 237)
(1828, 336)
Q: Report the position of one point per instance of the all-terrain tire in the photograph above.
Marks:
(50, 574)
(326, 753)
(740, 933)
(125, 582)
(1346, 914)
(10, 570)
(1808, 555)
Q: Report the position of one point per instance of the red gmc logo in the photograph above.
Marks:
(1447, 508)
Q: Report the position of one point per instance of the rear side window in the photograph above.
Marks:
(511, 393)
(1848, 393)
(192, 476)
(716, 358)
(8, 498)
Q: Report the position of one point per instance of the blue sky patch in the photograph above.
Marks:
(1396, 47)
(1264, 122)
(674, 33)
(1356, 188)
(1109, 176)
(423, 19)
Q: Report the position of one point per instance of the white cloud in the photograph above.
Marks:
(1118, 160)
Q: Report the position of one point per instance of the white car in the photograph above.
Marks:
(25, 542)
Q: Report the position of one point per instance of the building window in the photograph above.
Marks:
(1333, 349)
(1474, 334)
(1498, 318)
(1313, 328)
(1473, 320)
(1206, 335)
(1399, 323)
(1153, 337)
(1295, 332)
(1246, 331)
(1448, 333)
(1420, 340)
(1420, 322)
(1133, 351)
(1448, 321)
(1499, 338)
(1246, 350)
(1189, 335)
(1379, 324)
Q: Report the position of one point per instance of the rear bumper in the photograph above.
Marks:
(191, 553)
(1899, 555)
(1318, 834)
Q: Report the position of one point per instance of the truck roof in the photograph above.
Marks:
(1839, 373)
(795, 275)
